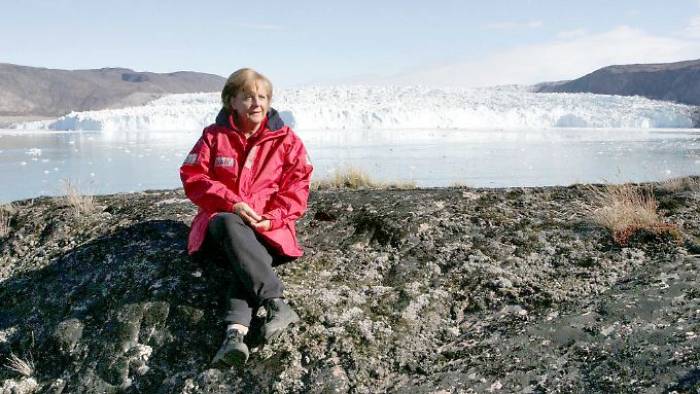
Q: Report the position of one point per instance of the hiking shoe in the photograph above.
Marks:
(233, 352)
(279, 316)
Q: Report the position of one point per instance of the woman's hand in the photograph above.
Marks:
(251, 217)
(246, 213)
(262, 225)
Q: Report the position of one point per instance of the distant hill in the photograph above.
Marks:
(679, 82)
(32, 91)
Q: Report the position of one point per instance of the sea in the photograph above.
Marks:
(40, 163)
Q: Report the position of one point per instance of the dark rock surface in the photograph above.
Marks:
(421, 291)
(679, 82)
(32, 91)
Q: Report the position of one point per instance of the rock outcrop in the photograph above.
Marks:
(41, 92)
(429, 290)
(679, 82)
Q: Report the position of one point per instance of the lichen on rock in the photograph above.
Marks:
(426, 290)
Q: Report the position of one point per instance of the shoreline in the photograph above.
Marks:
(380, 186)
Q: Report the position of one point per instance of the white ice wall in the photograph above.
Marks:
(357, 107)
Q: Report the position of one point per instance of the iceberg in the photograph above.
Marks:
(396, 107)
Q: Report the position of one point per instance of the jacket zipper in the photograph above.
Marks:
(250, 157)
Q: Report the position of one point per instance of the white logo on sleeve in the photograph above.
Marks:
(223, 161)
(190, 159)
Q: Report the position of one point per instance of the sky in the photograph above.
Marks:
(445, 43)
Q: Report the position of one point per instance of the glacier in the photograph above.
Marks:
(395, 107)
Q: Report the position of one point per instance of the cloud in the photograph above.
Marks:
(566, 57)
(693, 28)
(513, 25)
(569, 34)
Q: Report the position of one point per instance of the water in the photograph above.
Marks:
(35, 163)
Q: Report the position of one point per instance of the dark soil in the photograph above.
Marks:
(420, 291)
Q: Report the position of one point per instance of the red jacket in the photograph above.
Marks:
(269, 171)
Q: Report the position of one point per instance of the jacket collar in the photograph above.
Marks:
(274, 121)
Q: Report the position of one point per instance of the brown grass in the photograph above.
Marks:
(80, 203)
(20, 366)
(626, 210)
(6, 212)
(680, 184)
(355, 178)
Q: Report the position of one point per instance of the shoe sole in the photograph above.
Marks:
(232, 359)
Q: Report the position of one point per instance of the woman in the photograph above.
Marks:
(249, 174)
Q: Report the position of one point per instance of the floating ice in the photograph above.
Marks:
(358, 107)
(34, 152)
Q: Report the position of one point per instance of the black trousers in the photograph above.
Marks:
(251, 261)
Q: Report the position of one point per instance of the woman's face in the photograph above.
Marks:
(251, 106)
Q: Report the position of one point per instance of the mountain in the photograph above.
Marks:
(31, 91)
(679, 82)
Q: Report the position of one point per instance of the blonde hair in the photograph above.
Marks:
(243, 80)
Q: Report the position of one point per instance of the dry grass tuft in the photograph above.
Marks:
(355, 178)
(80, 203)
(626, 210)
(350, 178)
(680, 184)
(6, 212)
(22, 367)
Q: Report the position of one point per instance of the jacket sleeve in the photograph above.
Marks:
(290, 201)
(205, 191)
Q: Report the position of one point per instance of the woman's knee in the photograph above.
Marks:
(228, 218)
(227, 224)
